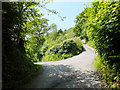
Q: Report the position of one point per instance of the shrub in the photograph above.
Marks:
(54, 49)
(68, 46)
(64, 50)
(79, 43)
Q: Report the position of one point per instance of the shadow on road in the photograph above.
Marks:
(76, 72)
(64, 76)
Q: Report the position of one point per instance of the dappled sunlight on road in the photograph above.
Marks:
(75, 72)
(66, 77)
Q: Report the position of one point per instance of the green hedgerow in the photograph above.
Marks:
(64, 50)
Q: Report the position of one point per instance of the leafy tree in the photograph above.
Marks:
(25, 10)
(98, 22)
(36, 35)
(13, 57)
(80, 28)
(102, 26)
(16, 65)
(53, 27)
(60, 31)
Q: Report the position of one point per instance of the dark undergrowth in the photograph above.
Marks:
(17, 69)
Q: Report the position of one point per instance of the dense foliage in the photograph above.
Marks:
(56, 37)
(27, 37)
(17, 66)
(102, 27)
(24, 32)
(37, 28)
(81, 26)
(60, 45)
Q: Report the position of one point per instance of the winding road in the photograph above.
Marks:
(75, 72)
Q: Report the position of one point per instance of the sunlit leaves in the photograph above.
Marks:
(102, 26)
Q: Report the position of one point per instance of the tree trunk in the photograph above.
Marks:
(21, 23)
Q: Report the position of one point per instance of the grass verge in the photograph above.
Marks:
(109, 72)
